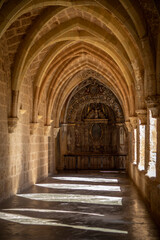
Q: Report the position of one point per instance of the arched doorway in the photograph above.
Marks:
(92, 133)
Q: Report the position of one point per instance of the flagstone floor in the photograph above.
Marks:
(83, 205)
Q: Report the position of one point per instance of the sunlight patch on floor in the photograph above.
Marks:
(80, 187)
(87, 179)
(51, 211)
(73, 198)
(21, 219)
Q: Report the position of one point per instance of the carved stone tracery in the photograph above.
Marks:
(94, 120)
(94, 94)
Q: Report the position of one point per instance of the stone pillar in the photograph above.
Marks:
(130, 149)
(158, 150)
(142, 135)
(55, 133)
(133, 121)
(153, 104)
(63, 145)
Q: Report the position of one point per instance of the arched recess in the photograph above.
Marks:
(92, 125)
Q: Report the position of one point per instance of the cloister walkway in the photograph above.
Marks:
(83, 205)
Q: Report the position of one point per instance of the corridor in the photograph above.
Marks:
(83, 205)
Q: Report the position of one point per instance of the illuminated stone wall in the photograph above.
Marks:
(147, 176)
(23, 156)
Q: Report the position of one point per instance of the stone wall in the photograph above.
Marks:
(23, 157)
(148, 186)
(5, 169)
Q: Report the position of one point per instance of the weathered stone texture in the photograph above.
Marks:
(23, 158)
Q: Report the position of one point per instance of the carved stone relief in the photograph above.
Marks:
(94, 121)
(97, 97)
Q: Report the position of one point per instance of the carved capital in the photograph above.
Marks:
(142, 116)
(33, 128)
(55, 132)
(12, 124)
(153, 104)
(47, 129)
(128, 126)
(133, 121)
(155, 112)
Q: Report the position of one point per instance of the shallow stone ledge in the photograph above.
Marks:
(12, 124)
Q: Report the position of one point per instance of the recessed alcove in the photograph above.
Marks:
(95, 134)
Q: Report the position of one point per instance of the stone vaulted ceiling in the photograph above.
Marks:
(58, 44)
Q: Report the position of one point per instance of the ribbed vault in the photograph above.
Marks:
(66, 38)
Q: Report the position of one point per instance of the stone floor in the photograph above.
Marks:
(83, 205)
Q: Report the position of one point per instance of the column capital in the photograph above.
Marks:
(142, 116)
(153, 104)
(133, 121)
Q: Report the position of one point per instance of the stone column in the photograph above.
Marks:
(153, 105)
(142, 135)
(158, 149)
(130, 149)
(55, 133)
(63, 145)
(133, 121)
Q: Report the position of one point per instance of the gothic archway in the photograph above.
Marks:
(93, 134)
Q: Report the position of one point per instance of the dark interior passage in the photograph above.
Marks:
(83, 205)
